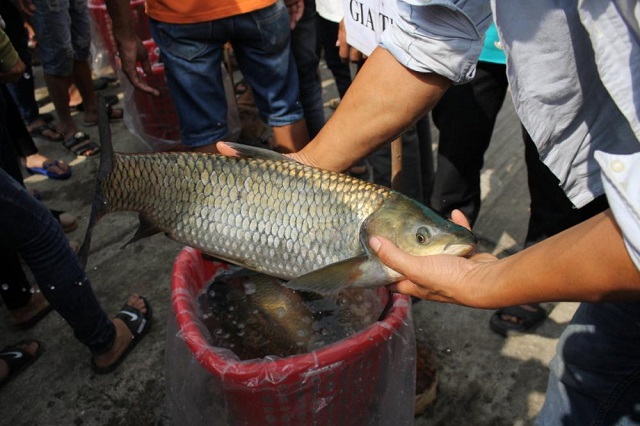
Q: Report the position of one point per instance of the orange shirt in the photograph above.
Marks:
(192, 11)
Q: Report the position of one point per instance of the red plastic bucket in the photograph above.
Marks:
(344, 383)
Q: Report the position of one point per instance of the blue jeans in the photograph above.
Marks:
(192, 55)
(28, 229)
(595, 375)
(64, 34)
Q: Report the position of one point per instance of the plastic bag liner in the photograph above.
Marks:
(154, 119)
(365, 379)
(103, 25)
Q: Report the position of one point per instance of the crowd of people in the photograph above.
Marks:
(574, 91)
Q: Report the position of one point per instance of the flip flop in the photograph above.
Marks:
(18, 359)
(530, 319)
(44, 170)
(81, 145)
(40, 132)
(25, 325)
(139, 325)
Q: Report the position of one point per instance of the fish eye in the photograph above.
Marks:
(423, 236)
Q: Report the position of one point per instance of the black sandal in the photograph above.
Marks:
(139, 325)
(81, 145)
(529, 319)
(18, 359)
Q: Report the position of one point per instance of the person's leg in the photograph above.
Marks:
(23, 143)
(29, 229)
(465, 117)
(192, 56)
(53, 26)
(304, 46)
(341, 71)
(551, 210)
(81, 74)
(291, 137)
(595, 375)
(261, 44)
(411, 183)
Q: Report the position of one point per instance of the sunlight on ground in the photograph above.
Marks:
(77, 160)
(485, 183)
(534, 403)
(563, 312)
(527, 347)
(35, 178)
(505, 243)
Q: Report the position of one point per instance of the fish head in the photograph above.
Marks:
(417, 229)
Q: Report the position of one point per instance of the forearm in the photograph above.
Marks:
(384, 99)
(120, 13)
(588, 262)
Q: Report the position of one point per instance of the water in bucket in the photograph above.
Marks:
(254, 316)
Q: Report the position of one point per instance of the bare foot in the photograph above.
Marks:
(123, 335)
(75, 98)
(36, 305)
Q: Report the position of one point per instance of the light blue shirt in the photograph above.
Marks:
(574, 74)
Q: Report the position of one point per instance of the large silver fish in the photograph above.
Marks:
(270, 214)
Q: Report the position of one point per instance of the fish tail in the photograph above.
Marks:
(99, 205)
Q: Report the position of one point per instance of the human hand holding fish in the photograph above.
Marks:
(441, 278)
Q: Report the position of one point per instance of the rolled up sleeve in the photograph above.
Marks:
(621, 179)
(442, 37)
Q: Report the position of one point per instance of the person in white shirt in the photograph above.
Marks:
(573, 70)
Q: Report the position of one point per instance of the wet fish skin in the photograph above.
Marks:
(270, 214)
(254, 316)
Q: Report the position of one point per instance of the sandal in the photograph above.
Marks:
(81, 145)
(45, 130)
(45, 170)
(18, 359)
(139, 325)
(529, 319)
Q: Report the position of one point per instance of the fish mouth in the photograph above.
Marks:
(457, 248)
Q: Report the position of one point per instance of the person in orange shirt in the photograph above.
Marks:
(191, 36)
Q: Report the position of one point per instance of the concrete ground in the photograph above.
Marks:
(484, 379)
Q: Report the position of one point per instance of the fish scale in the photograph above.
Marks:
(246, 210)
(268, 213)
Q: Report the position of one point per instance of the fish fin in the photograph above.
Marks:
(332, 278)
(248, 151)
(145, 229)
(99, 205)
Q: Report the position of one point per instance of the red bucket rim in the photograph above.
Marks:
(280, 369)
